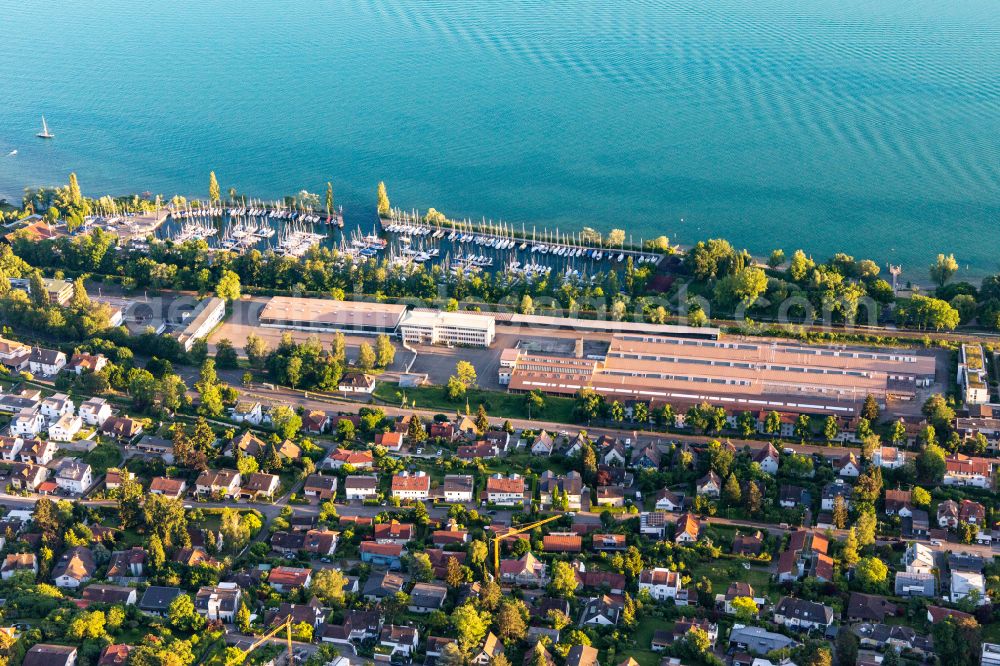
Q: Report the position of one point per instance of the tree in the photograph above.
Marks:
(182, 614)
(385, 352)
(839, 512)
(366, 357)
(870, 409)
(165, 517)
(865, 524)
(293, 371)
(454, 575)
(415, 431)
(286, 421)
(920, 497)
(328, 585)
(872, 573)
(898, 434)
(731, 491)
(75, 195)
(509, 620)
(830, 428)
(329, 199)
(243, 618)
(772, 424)
(747, 424)
(957, 641)
(931, 464)
(256, 350)
(470, 624)
(154, 550)
(454, 389)
(225, 354)
(214, 194)
(802, 427)
(745, 609)
(744, 287)
(482, 420)
(228, 287)
(451, 655)
(800, 266)
(617, 411)
(938, 412)
(466, 373)
(564, 580)
(527, 305)
(943, 269)
(534, 402)
(235, 532)
(383, 200)
(847, 648)
(754, 500)
(129, 496)
(849, 555)
(420, 566)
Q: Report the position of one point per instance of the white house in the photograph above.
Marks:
(767, 458)
(458, 488)
(506, 491)
(66, 428)
(75, 567)
(356, 382)
(225, 482)
(247, 411)
(74, 476)
(28, 423)
(361, 487)
(47, 362)
(543, 444)
(37, 451)
(411, 486)
(963, 583)
(56, 406)
(95, 411)
(219, 602)
(888, 457)
(661, 583)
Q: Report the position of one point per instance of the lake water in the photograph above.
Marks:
(870, 127)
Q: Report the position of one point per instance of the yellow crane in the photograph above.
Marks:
(514, 531)
(287, 627)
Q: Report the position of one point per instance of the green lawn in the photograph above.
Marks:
(102, 457)
(643, 635)
(498, 403)
(722, 573)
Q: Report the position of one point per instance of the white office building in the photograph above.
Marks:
(432, 327)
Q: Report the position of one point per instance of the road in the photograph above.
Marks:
(313, 401)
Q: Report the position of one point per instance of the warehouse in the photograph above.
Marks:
(318, 314)
(202, 320)
(432, 327)
(587, 326)
(739, 375)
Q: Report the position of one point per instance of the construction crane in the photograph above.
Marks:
(514, 531)
(286, 625)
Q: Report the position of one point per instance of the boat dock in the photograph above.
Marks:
(408, 226)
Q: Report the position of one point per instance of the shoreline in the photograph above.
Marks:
(919, 277)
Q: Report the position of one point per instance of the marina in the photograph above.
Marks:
(403, 241)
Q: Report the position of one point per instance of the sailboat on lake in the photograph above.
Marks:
(45, 133)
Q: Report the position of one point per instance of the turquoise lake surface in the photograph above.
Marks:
(868, 127)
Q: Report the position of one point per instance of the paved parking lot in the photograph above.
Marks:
(246, 320)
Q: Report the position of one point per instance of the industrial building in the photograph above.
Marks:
(585, 326)
(739, 375)
(318, 314)
(431, 327)
(201, 321)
